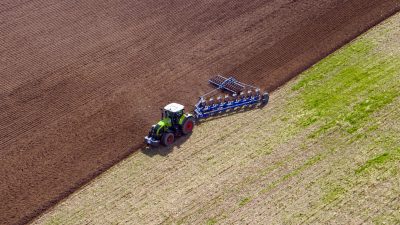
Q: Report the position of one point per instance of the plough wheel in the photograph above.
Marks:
(187, 125)
(168, 139)
(265, 98)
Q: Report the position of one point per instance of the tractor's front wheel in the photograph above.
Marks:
(188, 125)
(168, 139)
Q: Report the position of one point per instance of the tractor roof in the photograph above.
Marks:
(174, 107)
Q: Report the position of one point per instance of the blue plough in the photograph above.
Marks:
(240, 96)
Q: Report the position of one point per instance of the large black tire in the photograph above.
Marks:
(265, 98)
(188, 125)
(167, 139)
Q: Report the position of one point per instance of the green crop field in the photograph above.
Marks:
(325, 150)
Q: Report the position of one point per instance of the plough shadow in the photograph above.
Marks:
(161, 150)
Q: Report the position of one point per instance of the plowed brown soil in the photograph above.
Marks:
(82, 81)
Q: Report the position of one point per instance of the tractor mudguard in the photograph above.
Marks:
(183, 117)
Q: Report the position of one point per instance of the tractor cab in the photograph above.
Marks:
(173, 111)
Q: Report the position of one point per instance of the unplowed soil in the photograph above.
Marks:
(82, 81)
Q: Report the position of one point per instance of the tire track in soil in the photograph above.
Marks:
(55, 151)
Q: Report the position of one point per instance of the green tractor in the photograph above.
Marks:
(174, 123)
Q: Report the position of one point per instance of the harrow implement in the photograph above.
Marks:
(238, 96)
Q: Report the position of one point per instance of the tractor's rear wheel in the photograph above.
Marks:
(168, 139)
(188, 125)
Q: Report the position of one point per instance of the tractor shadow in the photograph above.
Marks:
(164, 150)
